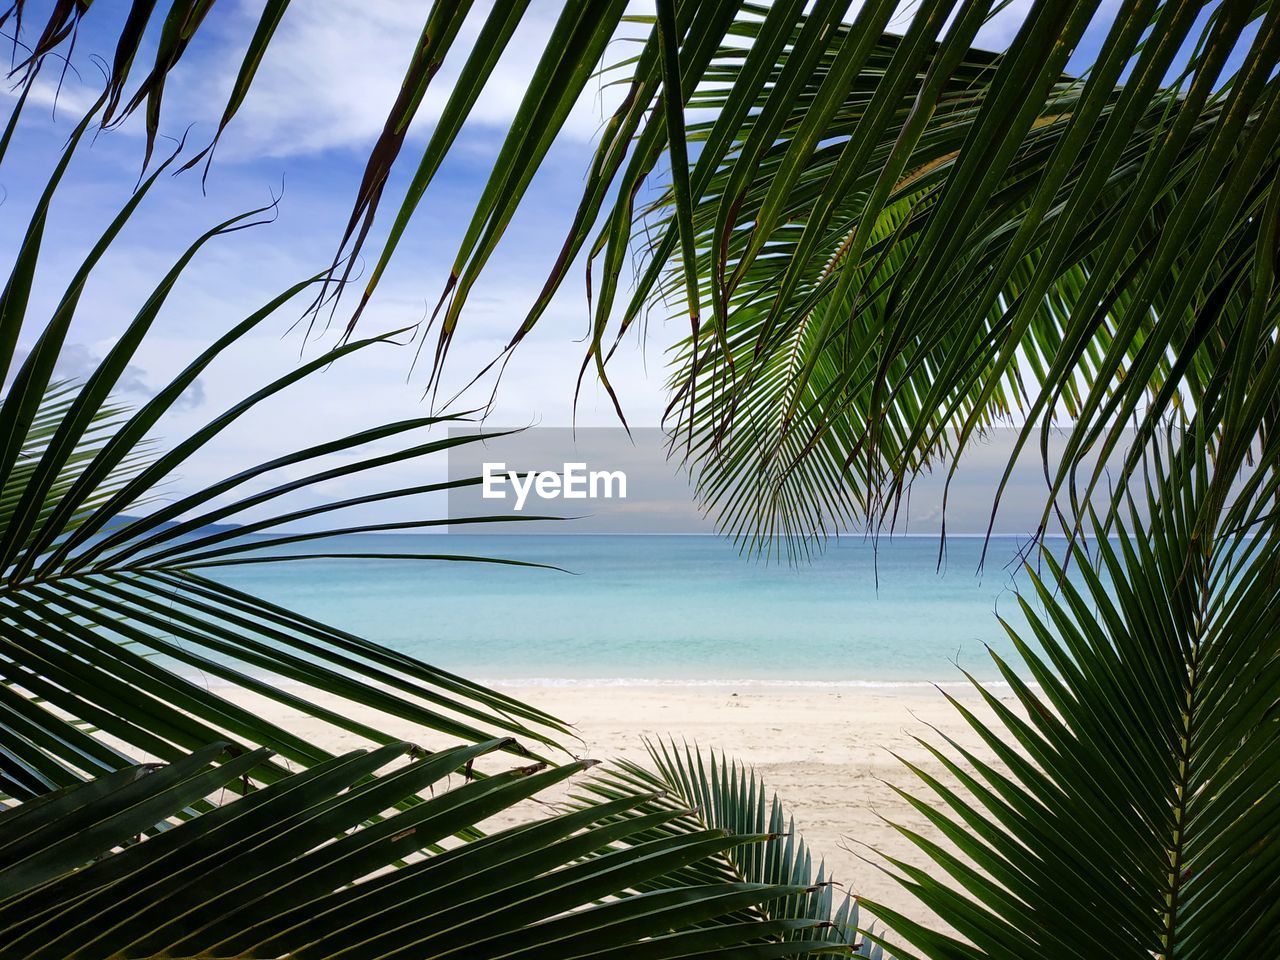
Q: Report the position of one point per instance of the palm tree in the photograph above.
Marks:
(888, 241)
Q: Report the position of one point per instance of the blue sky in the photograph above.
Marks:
(319, 100)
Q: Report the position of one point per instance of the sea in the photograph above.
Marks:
(653, 610)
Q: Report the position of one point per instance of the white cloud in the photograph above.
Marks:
(334, 68)
(58, 93)
(78, 361)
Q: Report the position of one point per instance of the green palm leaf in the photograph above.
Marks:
(703, 790)
(113, 629)
(107, 622)
(122, 866)
(962, 239)
(1135, 806)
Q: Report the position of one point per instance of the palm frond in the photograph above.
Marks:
(1134, 810)
(107, 619)
(703, 790)
(147, 861)
(952, 240)
(110, 625)
(901, 241)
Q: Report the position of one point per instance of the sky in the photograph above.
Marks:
(303, 134)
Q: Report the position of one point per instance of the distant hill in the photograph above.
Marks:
(169, 524)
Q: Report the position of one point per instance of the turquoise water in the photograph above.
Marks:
(665, 608)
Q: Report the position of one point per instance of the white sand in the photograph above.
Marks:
(827, 752)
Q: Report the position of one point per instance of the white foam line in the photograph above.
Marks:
(953, 684)
(742, 682)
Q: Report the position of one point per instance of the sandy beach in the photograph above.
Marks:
(827, 752)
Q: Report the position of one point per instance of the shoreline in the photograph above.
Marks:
(886, 687)
(521, 687)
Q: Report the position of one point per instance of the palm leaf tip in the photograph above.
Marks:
(703, 790)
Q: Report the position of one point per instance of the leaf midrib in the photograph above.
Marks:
(1177, 847)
